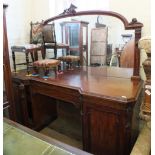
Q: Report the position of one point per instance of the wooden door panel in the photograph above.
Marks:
(104, 130)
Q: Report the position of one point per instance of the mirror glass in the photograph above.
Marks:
(101, 39)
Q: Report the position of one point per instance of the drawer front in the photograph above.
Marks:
(57, 92)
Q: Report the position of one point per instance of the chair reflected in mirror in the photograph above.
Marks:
(49, 39)
(32, 48)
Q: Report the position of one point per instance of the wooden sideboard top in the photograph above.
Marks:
(104, 82)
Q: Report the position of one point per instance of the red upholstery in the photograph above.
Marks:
(46, 63)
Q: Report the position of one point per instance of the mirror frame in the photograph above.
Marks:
(133, 25)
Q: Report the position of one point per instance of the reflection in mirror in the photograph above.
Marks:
(97, 39)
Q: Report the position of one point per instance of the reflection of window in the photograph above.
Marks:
(56, 7)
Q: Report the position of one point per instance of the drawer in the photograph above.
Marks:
(58, 92)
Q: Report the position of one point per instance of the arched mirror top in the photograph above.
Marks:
(134, 25)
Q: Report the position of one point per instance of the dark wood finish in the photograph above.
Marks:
(107, 98)
(126, 56)
(49, 39)
(133, 25)
(9, 102)
(43, 114)
(47, 139)
(21, 92)
(110, 129)
(21, 103)
(81, 48)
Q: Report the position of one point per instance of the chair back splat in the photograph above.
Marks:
(49, 39)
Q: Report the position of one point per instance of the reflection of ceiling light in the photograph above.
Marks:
(126, 37)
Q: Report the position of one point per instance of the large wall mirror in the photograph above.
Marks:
(101, 38)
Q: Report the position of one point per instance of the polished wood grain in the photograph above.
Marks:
(107, 98)
(107, 82)
(7, 70)
(126, 58)
(110, 82)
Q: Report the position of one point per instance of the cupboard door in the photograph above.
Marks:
(103, 132)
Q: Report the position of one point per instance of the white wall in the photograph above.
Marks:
(18, 17)
(21, 12)
(139, 9)
(40, 9)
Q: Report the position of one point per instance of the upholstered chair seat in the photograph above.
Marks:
(46, 64)
(70, 59)
(23, 48)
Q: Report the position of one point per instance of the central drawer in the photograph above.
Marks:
(58, 92)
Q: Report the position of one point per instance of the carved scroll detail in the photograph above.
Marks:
(70, 10)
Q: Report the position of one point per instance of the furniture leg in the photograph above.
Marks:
(68, 65)
(43, 52)
(35, 55)
(63, 65)
(55, 53)
(46, 72)
(62, 52)
(55, 70)
(36, 72)
(27, 62)
(71, 65)
(14, 60)
(32, 57)
(79, 63)
(59, 68)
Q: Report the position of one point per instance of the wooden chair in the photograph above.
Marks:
(49, 39)
(35, 45)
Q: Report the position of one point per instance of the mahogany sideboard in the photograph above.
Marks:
(107, 98)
